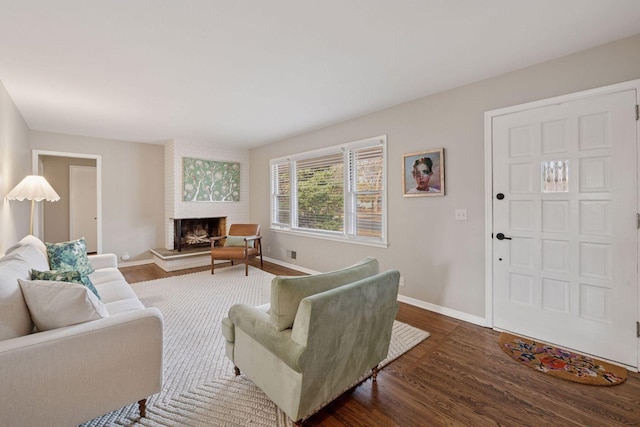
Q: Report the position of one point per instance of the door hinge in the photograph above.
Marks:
(638, 221)
(638, 329)
(637, 112)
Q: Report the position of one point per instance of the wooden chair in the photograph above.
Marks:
(243, 242)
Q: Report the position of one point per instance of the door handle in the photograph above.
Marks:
(501, 236)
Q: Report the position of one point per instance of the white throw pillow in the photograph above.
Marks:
(55, 304)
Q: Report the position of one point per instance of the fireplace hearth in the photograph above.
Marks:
(198, 232)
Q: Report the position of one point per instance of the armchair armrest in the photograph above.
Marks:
(103, 261)
(248, 238)
(255, 323)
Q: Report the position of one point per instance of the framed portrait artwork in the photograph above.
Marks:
(423, 173)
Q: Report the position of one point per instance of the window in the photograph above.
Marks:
(337, 192)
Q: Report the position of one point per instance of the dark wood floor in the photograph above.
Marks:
(460, 377)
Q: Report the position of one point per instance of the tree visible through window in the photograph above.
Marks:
(337, 192)
(320, 193)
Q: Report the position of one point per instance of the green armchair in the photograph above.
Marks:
(318, 337)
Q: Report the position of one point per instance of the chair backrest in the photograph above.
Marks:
(287, 292)
(244, 230)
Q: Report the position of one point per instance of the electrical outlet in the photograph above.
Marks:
(268, 249)
(402, 281)
(293, 254)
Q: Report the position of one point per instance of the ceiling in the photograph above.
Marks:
(250, 72)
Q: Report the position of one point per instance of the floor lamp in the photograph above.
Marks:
(34, 188)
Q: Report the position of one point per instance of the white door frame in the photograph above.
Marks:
(36, 168)
(488, 163)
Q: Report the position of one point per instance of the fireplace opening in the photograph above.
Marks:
(198, 232)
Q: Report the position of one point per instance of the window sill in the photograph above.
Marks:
(332, 238)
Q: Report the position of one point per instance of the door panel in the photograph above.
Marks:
(83, 205)
(566, 273)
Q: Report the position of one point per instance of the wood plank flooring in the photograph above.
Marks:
(460, 377)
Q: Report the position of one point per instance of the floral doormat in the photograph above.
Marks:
(561, 363)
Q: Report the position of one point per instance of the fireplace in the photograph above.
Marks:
(198, 232)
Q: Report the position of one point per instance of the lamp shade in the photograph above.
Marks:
(33, 187)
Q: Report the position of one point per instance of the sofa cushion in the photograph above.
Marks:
(69, 256)
(29, 240)
(112, 285)
(15, 320)
(64, 276)
(55, 304)
(287, 292)
(123, 305)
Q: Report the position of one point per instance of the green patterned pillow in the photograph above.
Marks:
(69, 256)
(70, 276)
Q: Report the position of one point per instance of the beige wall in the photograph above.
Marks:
(442, 259)
(132, 189)
(56, 215)
(14, 165)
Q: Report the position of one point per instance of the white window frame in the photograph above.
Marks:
(348, 235)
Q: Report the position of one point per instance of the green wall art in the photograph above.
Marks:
(210, 180)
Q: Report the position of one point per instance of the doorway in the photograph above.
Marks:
(54, 220)
(83, 212)
(563, 250)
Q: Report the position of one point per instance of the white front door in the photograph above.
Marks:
(565, 189)
(83, 205)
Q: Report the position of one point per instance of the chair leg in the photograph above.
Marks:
(236, 370)
(211, 265)
(374, 375)
(142, 406)
(246, 266)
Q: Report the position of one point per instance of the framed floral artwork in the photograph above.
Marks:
(210, 180)
(423, 173)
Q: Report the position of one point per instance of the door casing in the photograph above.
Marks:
(36, 170)
(488, 138)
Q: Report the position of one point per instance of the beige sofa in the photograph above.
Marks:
(72, 374)
(318, 336)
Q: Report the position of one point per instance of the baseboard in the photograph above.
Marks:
(411, 301)
(481, 321)
(291, 266)
(134, 263)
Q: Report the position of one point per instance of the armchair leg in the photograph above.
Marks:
(142, 406)
(374, 375)
(212, 265)
(236, 370)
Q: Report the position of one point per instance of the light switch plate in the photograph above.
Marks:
(461, 214)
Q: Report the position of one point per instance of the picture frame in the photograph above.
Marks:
(423, 173)
(206, 180)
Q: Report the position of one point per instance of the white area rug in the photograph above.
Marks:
(200, 389)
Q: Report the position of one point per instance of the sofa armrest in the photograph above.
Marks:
(103, 261)
(93, 367)
(255, 323)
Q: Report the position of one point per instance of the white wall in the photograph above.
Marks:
(15, 164)
(442, 259)
(175, 207)
(132, 189)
